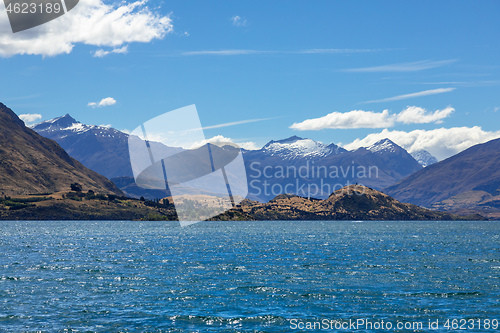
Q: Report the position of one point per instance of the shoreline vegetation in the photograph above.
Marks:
(354, 202)
(78, 205)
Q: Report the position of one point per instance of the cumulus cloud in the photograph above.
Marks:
(412, 95)
(102, 53)
(30, 118)
(248, 145)
(441, 142)
(416, 115)
(238, 21)
(103, 102)
(370, 119)
(221, 139)
(91, 22)
(351, 119)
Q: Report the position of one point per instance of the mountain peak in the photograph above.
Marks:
(67, 116)
(383, 145)
(62, 122)
(297, 147)
(291, 139)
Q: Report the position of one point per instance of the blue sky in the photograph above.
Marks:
(282, 61)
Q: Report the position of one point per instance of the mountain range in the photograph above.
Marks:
(466, 183)
(307, 168)
(304, 167)
(105, 150)
(32, 164)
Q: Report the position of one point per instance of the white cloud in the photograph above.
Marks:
(351, 119)
(412, 95)
(102, 53)
(91, 22)
(370, 119)
(402, 67)
(248, 145)
(238, 21)
(416, 115)
(30, 118)
(104, 102)
(441, 142)
(221, 139)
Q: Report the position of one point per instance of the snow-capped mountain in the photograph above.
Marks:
(66, 125)
(424, 157)
(295, 147)
(306, 167)
(384, 145)
(100, 148)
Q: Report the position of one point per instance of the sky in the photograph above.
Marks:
(425, 74)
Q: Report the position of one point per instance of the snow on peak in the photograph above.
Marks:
(66, 125)
(77, 127)
(295, 147)
(384, 145)
(423, 157)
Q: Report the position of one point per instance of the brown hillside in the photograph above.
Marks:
(30, 163)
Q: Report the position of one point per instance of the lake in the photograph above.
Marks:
(279, 276)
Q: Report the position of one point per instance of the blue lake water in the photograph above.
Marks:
(248, 276)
